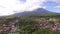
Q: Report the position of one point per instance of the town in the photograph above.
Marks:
(9, 25)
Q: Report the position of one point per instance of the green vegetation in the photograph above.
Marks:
(45, 31)
(29, 25)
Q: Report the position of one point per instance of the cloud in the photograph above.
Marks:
(58, 1)
(57, 6)
(44, 7)
(8, 7)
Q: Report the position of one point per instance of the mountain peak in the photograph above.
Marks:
(38, 11)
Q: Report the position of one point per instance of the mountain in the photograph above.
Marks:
(36, 12)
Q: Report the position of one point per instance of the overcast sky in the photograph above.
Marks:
(8, 7)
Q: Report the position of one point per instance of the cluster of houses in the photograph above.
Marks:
(43, 23)
(10, 27)
(55, 26)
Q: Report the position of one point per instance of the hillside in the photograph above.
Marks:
(37, 12)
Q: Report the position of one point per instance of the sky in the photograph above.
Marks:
(8, 7)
